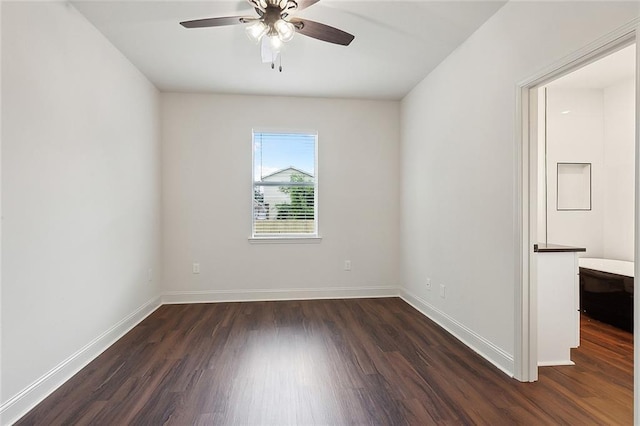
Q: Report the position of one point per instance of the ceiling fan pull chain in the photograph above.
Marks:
(280, 57)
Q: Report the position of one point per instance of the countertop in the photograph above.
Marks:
(618, 267)
(555, 248)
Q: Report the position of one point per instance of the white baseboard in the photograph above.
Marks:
(556, 363)
(496, 356)
(261, 295)
(29, 397)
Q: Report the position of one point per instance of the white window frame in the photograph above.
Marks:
(282, 237)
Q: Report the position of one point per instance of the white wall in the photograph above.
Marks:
(598, 129)
(575, 134)
(207, 197)
(458, 204)
(80, 196)
(619, 148)
(541, 173)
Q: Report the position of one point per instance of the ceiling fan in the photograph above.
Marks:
(274, 25)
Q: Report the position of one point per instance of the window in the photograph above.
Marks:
(285, 185)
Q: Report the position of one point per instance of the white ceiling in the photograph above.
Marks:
(603, 73)
(397, 44)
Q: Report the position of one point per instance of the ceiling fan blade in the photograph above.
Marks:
(321, 31)
(303, 4)
(216, 22)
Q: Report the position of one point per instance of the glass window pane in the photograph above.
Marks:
(285, 187)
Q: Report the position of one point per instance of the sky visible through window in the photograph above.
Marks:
(277, 151)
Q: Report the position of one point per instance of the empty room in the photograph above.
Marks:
(310, 212)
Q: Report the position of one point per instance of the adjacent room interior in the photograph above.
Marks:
(585, 200)
(373, 276)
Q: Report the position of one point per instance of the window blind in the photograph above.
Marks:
(285, 198)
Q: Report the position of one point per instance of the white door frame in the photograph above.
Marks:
(526, 342)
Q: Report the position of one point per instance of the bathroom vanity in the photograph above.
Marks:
(558, 303)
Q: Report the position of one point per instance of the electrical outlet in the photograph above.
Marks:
(347, 265)
(196, 268)
(429, 284)
(443, 292)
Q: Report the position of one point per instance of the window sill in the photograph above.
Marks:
(285, 240)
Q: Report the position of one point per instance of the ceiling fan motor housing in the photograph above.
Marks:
(271, 16)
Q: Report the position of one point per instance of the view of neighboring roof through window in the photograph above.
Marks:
(285, 196)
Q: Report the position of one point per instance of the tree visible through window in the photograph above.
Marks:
(284, 185)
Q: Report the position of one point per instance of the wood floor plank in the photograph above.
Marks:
(330, 362)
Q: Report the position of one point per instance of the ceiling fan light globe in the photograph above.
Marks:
(275, 43)
(285, 30)
(256, 30)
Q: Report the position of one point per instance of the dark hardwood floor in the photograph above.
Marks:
(330, 362)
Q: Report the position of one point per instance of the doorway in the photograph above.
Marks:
(525, 353)
(586, 176)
